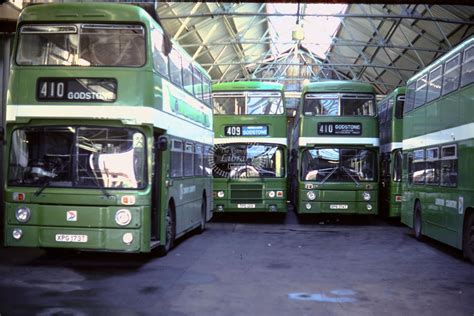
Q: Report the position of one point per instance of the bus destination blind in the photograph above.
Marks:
(246, 130)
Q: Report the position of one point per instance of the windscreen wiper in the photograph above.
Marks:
(51, 175)
(329, 175)
(351, 176)
(45, 184)
(97, 183)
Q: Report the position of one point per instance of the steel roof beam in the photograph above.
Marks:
(303, 64)
(184, 24)
(386, 38)
(216, 60)
(439, 28)
(204, 43)
(336, 15)
(361, 52)
(338, 43)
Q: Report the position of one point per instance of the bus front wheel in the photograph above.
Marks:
(468, 238)
(202, 225)
(417, 223)
(170, 232)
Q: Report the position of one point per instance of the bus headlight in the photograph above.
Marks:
(123, 217)
(23, 214)
(366, 196)
(127, 238)
(220, 194)
(310, 195)
(308, 206)
(17, 233)
(271, 194)
(369, 207)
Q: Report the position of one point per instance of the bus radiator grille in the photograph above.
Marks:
(249, 193)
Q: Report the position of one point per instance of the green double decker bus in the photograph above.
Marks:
(390, 111)
(335, 148)
(438, 150)
(249, 160)
(108, 132)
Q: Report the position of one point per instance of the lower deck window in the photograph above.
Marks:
(338, 165)
(176, 163)
(449, 173)
(242, 160)
(71, 156)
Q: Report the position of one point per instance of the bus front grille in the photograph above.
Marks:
(246, 193)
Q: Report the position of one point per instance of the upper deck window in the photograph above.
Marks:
(420, 93)
(451, 75)
(467, 74)
(410, 97)
(81, 45)
(339, 104)
(434, 88)
(248, 103)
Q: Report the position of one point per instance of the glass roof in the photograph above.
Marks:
(318, 31)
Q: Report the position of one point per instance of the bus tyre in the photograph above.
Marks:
(170, 232)
(417, 222)
(202, 225)
(468, 238)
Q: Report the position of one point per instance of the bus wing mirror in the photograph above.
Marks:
(162, 143)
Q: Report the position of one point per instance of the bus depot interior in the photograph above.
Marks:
(183, 158)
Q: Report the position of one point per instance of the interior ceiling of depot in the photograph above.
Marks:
(384, 44)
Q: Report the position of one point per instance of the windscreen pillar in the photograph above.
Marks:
(5, 47)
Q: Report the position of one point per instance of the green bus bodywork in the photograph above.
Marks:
(250, 169)
(84, 209)
(438, 147)
(391, 128)
(335, 149)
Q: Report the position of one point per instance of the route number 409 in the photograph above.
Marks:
(233, 131)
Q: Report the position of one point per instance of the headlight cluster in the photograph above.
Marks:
(23, 214)
(123, 217)
(17, 233)
(127, 238)
(366, 196)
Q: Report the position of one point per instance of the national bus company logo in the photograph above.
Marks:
(71, 216)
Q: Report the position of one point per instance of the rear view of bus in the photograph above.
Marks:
(337, 149)
(249, 159)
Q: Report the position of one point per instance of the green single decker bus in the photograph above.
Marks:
(336, 149)
(109, 129)
(250, 152)
(391, 127)
(438, 150)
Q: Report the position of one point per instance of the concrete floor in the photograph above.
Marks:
(249, 267)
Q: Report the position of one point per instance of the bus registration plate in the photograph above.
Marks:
(245, 205)
(71, 238)
(338, 206)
